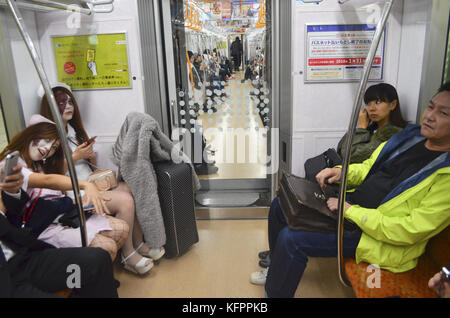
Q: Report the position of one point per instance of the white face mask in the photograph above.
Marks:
(65, 105)
(40, 149)
(68, 112)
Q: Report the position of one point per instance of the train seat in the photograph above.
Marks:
(410, 284)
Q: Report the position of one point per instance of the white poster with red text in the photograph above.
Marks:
(337, 53)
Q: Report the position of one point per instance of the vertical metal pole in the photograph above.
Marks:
(351, 132)
(55, 112)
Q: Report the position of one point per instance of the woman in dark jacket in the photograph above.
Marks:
(378, 121)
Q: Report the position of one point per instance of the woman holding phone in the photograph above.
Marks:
(42, 161)
(121, 204)
(379, 120)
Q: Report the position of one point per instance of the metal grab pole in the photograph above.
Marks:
(350, 133)
(55, 112)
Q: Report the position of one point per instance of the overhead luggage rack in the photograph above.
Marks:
(86, 7)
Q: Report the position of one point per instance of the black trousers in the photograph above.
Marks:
(52, 270)
(237, 62)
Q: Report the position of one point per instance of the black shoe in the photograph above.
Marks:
(265, 262)
(263, 254)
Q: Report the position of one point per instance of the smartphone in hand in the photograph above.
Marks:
(10, 163)
(91, 140)
(89, 208)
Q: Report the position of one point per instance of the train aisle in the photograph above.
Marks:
(237, 122)
(219, 266)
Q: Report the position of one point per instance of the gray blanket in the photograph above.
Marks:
(140, 143)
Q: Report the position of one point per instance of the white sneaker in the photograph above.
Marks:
(259, 277)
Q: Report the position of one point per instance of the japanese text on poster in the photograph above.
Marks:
(338, 52)
(97, 61)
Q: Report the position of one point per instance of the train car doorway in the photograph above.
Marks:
(219, 75)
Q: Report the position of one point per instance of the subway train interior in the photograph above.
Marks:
(242, 93)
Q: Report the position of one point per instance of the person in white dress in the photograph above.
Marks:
(41, 158)
(136, 255)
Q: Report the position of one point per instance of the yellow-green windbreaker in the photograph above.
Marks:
(396, 233)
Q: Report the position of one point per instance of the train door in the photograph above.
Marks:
(218, 56)
(11, 114)
(436, 53)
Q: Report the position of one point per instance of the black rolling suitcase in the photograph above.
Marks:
(176, 196)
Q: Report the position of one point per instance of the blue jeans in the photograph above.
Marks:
(289, 251)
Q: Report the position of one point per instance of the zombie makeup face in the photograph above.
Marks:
(41, 149)
(65, 105)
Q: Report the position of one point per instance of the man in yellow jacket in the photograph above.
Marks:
(402, 199)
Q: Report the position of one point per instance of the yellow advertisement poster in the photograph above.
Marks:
(98, 61)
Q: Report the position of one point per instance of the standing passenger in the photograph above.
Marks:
(236, 53)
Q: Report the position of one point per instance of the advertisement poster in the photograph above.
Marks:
(226, 10)
(98, 61)
(214, 9)
(247, 9)
(337, 53)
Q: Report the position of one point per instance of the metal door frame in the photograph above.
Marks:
(9, 89)
(434, 55)
(236, 184)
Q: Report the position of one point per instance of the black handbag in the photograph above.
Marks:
(72, 218)
(304, 205)
(328, 159)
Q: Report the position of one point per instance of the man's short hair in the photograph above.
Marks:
(444, 87)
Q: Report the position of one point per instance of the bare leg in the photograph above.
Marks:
(106, 243)
(122, 207)
(120, 231)
(138, 238)
(137, 235)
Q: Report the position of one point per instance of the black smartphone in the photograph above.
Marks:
(446, 273)
(89, 208)
(10, 163)
(91, 140)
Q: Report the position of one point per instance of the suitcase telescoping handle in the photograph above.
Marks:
(351, 131)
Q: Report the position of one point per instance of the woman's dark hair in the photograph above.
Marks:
(21, 143)
(80, 133)
(386, 93)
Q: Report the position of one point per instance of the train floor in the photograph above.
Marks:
(219, 266)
